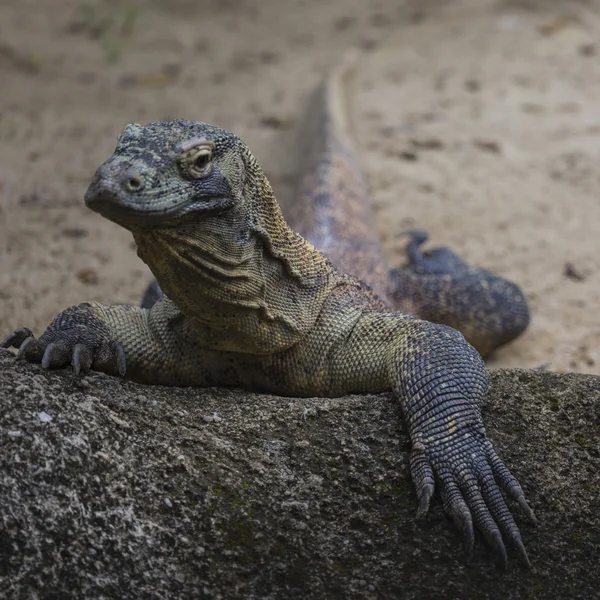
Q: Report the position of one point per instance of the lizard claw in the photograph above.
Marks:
(82, 359)
(119, 356)
(55, 355)
(70, 339)
(422, 474)
(16, 338)
(526, 509)
(30, 344)
(509, 483)
(470, 476)
(425, 495)
(495, 538)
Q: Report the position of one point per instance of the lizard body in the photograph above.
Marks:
(333, 211)
(249, 302)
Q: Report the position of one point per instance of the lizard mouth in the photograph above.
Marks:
(133, 211)
(119, 207)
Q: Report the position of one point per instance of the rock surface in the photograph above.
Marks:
(116, 490)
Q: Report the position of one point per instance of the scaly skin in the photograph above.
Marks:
(333, 212)
(248, 302)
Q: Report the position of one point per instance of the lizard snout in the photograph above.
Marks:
(113, 188)
(113, 183)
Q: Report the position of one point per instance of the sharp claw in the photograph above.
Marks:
(522, 553)
(82, 359)
(495, 538)
(424, 500)
(75, 361)
(469, 537)
(21, 353)
(119, 353)
(48, 355)
(16, 338)
(527, 509)
(7, 342)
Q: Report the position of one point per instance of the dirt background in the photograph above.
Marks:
(477, 120)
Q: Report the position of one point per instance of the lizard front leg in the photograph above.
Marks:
(441, 382)
(140, 344)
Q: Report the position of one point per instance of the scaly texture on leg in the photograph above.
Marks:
(441, 383)
(148, 346)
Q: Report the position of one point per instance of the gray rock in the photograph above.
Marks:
(282, 498)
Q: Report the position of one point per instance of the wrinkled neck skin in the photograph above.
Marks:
(242, 279)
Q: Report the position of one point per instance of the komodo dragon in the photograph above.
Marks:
(248, 302)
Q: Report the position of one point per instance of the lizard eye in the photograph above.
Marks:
(196, 163)
(202, 160)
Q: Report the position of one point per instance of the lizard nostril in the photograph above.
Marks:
(133, 181)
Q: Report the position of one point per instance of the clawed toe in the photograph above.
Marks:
(527, 509)
(16, 338)
(55, 355)
(523, 553)
(30, 343)
(82, 359)
(495, 540)
(119, 354)
(57, 349)
(424, 500)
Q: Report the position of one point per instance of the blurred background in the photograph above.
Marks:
(478, 120)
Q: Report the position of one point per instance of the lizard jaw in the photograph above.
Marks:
(106, 196)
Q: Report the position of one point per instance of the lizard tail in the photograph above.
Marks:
(332, 209)
(335, 98)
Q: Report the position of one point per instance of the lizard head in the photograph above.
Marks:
(163, 171)
(205, 220)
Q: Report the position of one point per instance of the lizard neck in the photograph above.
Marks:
(243, 279)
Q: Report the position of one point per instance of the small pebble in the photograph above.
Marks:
(88, 276)
(371, 587)
(44, 417)
(207, 419)
(14, 434)
(168, 502)
(216, 418)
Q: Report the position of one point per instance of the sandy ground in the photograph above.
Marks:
(476, 120)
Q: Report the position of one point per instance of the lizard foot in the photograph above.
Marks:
(83, 345)
(437, 261)
(437, 285)
(152, 295)
(470, 477)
